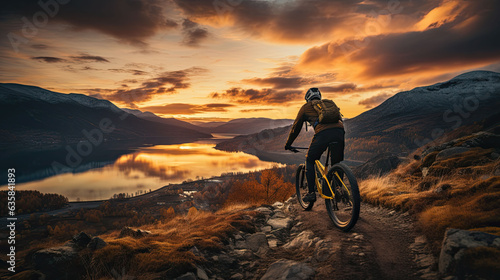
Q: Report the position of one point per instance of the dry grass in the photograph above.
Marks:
(166, 251)
(458, 192)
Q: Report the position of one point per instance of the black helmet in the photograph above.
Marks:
(313, 93)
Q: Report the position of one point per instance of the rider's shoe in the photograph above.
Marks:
(310, 197)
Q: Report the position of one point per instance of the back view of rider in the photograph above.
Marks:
(324, 133)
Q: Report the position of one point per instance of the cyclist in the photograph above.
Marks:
(324, 133)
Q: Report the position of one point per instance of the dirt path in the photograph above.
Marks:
(378, 247)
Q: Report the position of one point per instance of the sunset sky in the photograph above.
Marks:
(225, 59)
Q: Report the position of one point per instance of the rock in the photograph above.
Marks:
(378, 165)
(226, 259)
(244, 253)
(237, 276)
(302, 241)
(201, 274)
(127, 231)
(456, 243)
(238, 237)
(279, 223)
(451, 152)
(288, 270)
(278, 214)
(195, 251)
(257, 241)
(273, 243)
(240, 244)
(82, 239)
(60, 262)
(264, 210)
(187, 276)
(442, 188)
(323, 251)
(266, 229)
(96, 243)
(278, 205)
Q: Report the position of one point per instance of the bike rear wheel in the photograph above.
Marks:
(301, 187)
(343, 209)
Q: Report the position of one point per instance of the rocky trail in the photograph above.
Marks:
(294, 244)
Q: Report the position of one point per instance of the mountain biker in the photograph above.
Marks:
(324, 133)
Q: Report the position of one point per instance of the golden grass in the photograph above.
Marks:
(167, 249)
(450, 198)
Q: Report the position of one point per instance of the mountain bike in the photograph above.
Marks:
(337, 185)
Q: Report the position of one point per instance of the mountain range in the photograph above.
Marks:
(400, 124)
(32, 117)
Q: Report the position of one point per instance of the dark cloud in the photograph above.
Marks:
(83, 58)
(134, 72)
(167, 82)
(49, 59)
(344, 88)
(258, 96)
(278, 82)
(471, 38)
(300, 20)
(255, 110)
(88, 58)
(132, 21)
(374, 100)
(187, 109)
(193, 33)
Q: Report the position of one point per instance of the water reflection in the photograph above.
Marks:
(146, 168)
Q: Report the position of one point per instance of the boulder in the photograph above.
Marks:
(451, 152)
(96, 243)
(62, 262)
(237, 276)
(278, 204)
(82, 239)
(201, 274)
(288, 270)
(302, 241)
(279, 223)
(264, 210)
(257, 241)
(187, 276)
(136, 233)
(455, 247)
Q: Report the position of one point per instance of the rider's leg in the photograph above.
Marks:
(318, 145)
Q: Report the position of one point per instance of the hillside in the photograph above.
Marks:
(32, 117)
(170, 121)
(402, 123)
(250, 125)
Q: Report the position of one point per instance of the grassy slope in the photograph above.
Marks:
(461, 191)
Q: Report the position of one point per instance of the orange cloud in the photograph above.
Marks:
(443, 48)
(187, 109)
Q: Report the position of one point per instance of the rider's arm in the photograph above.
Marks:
(296, 127)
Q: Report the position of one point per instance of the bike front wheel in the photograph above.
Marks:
(301, 187)
(343, 209)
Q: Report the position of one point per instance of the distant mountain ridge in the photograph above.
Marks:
(403, 122)
(32, 117)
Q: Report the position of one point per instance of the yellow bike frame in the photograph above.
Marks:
(324, 172)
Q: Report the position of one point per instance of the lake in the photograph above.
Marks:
(138, 170)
